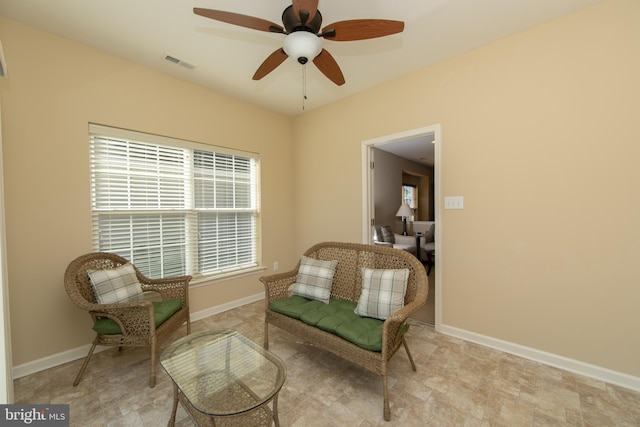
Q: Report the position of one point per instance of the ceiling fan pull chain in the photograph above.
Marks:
(304, 85)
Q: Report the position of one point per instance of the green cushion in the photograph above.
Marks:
(330, 316)
(294, 306)
(365, 333)
(337, 317)
(162, 310)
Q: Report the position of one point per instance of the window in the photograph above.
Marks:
(173, 207)
(410, 197)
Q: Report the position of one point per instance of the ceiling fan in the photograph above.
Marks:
(302, 21)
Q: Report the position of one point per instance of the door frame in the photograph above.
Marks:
(368, 195)
(6, 364)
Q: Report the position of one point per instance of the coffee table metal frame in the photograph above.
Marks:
(223, 378)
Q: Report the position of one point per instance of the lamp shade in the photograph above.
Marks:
(302, 45)
(404, 210)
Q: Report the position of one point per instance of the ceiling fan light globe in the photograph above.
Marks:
(302, 45)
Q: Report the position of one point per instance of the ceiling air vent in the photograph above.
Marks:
(178, 61)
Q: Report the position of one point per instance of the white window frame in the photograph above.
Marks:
(230, 172)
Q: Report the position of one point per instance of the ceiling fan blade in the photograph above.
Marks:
(240, 20)
(311, 6)
(329, 67)
(361, 29)
(270, 64)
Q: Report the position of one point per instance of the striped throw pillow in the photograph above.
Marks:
(314, 279)
(382, 292)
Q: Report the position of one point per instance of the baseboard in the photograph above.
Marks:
(203, 314)
(561, 362)
(570, 365)
(48, 362)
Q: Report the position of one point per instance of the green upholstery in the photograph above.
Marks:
(162, 310)
(295, 306)
(337, 317)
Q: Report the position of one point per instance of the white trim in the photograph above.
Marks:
(165, 141)
(561, 362)
(199, 281)
(6, 388)
(3, 63)
(437, 191)
(203, 314)
(368, 196)
(570, 365)
(367, 191)
(80, 352)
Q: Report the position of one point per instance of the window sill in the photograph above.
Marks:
(199, 281)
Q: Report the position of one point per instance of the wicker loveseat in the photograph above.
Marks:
(346, 290)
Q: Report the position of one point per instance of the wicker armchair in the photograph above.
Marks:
(135, 319)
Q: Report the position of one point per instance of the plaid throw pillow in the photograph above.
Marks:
(382, 292)
(314, 279)
(115, 285)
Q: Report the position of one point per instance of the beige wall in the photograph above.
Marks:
(54, 89)
(540, 136)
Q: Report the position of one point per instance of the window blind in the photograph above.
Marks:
(172, 207)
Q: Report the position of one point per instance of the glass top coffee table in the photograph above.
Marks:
(223, 378)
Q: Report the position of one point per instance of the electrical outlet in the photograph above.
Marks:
(275, 266)
(454, 202)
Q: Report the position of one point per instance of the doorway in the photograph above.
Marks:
(412, 145)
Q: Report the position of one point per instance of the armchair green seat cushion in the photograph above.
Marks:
(162, 310)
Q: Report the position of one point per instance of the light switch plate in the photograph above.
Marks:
(454, 202)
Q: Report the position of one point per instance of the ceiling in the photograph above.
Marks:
(224, 57)
(420, 149)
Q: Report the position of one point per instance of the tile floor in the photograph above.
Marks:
(457, 384)
(427, 313)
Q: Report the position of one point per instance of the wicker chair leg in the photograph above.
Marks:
(406, 347)
(387, 410)
(85, 363)
(154, 350)
(266, 336)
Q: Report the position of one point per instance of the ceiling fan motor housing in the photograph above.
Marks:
(302, 41)
(292, 23)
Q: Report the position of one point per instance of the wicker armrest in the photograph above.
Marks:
(277, 285)
(129, 316)
(168, 288)
(393, 325)
(402, 314)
